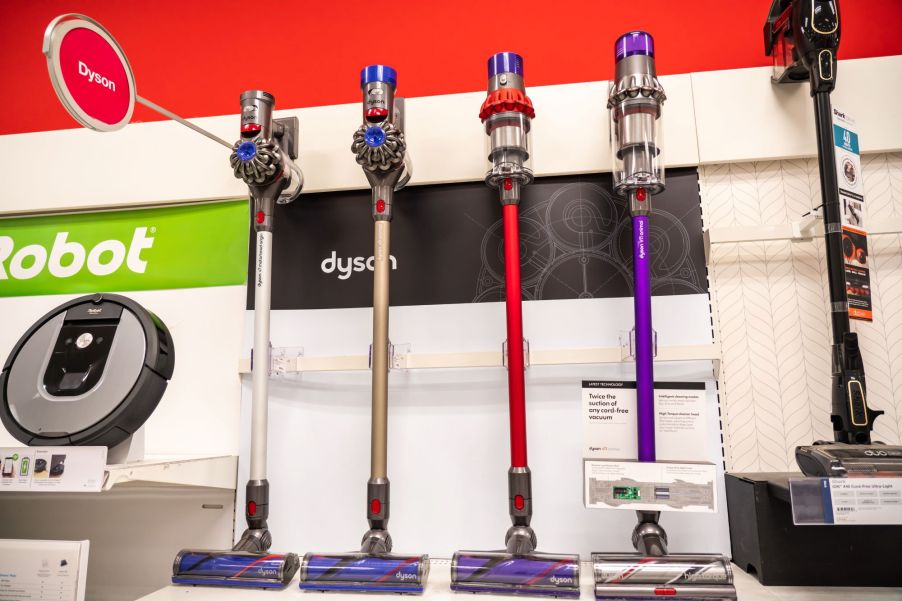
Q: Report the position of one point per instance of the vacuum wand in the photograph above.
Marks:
(507, 113)
(802, 37)
(635, 104)
(264, 158)
(381, 150)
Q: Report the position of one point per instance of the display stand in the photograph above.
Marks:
(766, 543)
(129, 450)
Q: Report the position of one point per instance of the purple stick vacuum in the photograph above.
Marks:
(636, 101)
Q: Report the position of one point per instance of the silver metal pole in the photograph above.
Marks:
(259, 404)
(167, 113)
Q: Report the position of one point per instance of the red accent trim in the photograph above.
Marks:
(627, 573)
(508, 183)
(250, 127)
(546, 571)
(377, 112)
(251, 508)
(380, 206)
(375, 506)
(641, 194)
(261, 216)
(257, 562)
(668, 592)
(519, 502)
(398, 568)
(516, 386)
(506, 100)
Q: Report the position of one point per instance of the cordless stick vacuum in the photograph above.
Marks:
(506, 113)
(264, 158)
(635, 103)
(381, 150)
(802, 36)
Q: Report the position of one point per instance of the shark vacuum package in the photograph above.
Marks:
(381, 150)
(635, 104)
(264, 157)
(518, 569)
(802, 37)
(89, 372)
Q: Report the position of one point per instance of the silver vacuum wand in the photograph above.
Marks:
(635, 104)
(264, 156)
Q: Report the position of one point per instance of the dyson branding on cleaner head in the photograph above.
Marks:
(66, 258)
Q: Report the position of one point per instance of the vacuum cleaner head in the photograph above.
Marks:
(536, 574)
(834, 460)
(234, 568)
(364, 572)
(678, 577)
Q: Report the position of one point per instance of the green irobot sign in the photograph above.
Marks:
(190, 246)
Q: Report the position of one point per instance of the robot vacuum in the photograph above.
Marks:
(90, 372)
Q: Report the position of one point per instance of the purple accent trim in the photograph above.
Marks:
(505, 62)
(634, 42)
(645, 380)
(538, 571)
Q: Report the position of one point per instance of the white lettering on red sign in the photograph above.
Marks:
(83, 69)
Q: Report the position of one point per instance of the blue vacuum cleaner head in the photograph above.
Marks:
(536, 574)
(234, 568)
(363, 572)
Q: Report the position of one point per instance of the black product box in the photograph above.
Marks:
(767, 545)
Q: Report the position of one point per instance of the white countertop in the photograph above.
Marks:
(437, 589)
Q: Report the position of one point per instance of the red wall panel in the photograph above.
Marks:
(195, 56)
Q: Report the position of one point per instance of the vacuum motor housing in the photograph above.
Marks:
(89, 372)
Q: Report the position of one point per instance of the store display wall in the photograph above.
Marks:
(771, 310)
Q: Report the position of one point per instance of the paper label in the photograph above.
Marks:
(609, 420)
(52, 469)
(659, 486)
(43, 570)
(846, 501)
(851, 198)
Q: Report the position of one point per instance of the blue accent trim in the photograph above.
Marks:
(226, 582)
(382, 73)
(246, 151)
(517, 590)
(827, 501)
(374, 136)
(845, 139)
(359, 587)
(505, 62)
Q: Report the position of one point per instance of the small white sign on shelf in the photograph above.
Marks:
(52, 469)
(846, 501)
(39, 570)
(658, 486)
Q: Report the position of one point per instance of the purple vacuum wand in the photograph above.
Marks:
(635, 103)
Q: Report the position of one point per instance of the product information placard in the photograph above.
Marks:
(609, 420)
(190, 246)
(42, 570)
(657, 486)
(52, 469)
(846, 501)
(851, 197)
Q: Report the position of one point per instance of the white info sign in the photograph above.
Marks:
(52, 469)
(42, 570)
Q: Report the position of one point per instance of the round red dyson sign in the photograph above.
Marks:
(89, 72)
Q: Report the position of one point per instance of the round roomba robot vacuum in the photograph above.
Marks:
(90, 372)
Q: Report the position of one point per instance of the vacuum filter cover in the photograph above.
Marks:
(90, 372)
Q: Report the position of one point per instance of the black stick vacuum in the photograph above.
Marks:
(802, 36)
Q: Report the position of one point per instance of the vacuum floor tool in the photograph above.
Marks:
(635, 103)
(381, 150)
(89, 372)
(264, 158)
(802, 37)
(506, 113)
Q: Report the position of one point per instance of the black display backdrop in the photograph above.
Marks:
(447, 244)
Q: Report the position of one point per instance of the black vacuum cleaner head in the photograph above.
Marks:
(105, 355)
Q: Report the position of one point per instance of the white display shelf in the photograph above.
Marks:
(437, 589)
(219, 471)
(580, 356)
(803, 230)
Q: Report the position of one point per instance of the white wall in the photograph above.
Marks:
(771, 310)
